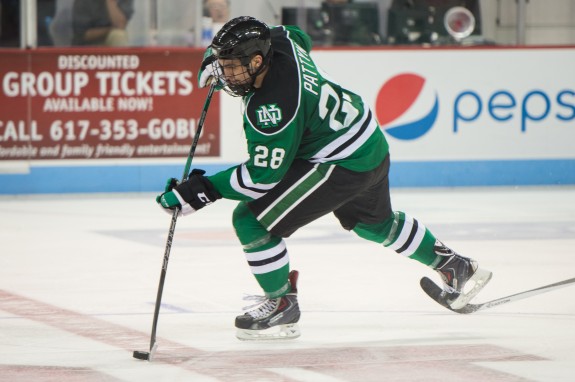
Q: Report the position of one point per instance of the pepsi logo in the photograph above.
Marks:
(406, 106)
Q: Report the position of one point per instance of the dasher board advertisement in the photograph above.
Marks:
(90, 104)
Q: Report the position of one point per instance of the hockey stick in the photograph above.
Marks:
(434, 291)
(148, 356)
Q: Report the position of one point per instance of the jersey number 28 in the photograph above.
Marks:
(275, 159)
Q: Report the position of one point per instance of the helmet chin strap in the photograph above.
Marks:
(243, 89)
(254, 73)
(260, 69)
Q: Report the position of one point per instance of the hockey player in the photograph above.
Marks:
(314, 148)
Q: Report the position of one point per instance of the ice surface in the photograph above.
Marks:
(79, 276)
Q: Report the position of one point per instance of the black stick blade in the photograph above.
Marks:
(143, 355)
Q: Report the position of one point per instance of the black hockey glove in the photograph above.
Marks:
(193, 194)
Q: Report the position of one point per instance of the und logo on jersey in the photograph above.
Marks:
(268, 116)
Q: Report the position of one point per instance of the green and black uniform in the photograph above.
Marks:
(314, 148)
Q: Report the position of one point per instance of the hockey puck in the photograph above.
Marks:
(143, 355)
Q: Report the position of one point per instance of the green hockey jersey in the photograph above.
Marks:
(300, 113)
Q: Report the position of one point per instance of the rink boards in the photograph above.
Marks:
(453, 117)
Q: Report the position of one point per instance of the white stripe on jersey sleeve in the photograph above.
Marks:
(247, 186)
(357, 143)
(320, 156)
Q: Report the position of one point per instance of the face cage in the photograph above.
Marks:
(235, 90)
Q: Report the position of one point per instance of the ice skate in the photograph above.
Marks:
(272, 319)
(462, 278)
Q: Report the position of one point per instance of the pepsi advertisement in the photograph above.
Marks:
(469, 117)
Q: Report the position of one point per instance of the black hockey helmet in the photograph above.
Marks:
(242, 38)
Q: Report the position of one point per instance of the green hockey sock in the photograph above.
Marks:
(404, 235)
(266, 254)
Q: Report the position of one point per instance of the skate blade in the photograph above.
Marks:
(479, 280)
(280, 332)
